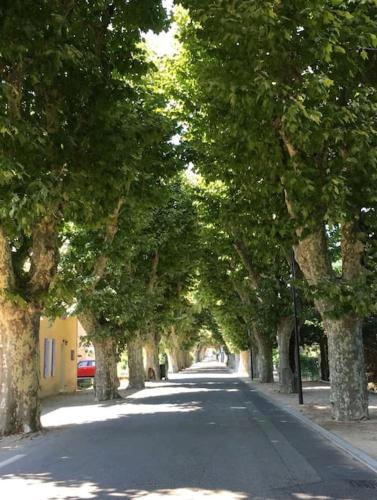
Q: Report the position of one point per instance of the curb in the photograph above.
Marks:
(339, 442)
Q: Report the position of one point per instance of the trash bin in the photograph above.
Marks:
(163, 372)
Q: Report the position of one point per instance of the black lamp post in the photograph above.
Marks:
(297, 331)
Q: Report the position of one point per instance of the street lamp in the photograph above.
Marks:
(297, 331)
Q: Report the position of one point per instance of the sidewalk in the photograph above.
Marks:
(362, 435)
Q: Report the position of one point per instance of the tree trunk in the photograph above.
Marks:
(19, 332)
(173, 352)
(152, 364)
(197, 355)
(135, 363)
(244, 368)
(182, 359)
(284, 332)
(19, 327)
(106, 378)
(264, 357)
(349, 397)
(202, 353)
(324, 350)
(173, 363)
(254, 360)
(188, 359)
(19, 369)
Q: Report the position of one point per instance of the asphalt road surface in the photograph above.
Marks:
(204, 434)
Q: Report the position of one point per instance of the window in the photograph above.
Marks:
(49, 358)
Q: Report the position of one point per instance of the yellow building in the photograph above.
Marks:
(58, 355)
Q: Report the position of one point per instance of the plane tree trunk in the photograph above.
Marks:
(106, 382)
(152, 364)
(20, 310)
(244, 368)
(264, 356)
(349, 398)
(254, 359)
(19, 369)
(182, 359)
(284, 332)
(136, 378)
(348, 395)
(173, 363)
(173, 351)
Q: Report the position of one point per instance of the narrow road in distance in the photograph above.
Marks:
(203, 434)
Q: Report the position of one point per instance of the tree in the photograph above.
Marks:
(179, 250)
(297, 100)
(238, 234)
(65, 66)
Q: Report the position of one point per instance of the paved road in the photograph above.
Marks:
(205, 434)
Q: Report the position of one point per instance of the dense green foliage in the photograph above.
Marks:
(273, 106)
(75, 124)
(282, 104)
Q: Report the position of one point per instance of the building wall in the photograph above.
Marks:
(58, 356)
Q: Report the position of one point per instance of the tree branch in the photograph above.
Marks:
(110, 232)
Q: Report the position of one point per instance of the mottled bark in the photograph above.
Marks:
(151, 360)
(19, 329)
(106, 380)
(19, 369)
(244, 367)
(182, 359)
(152, 363)
(346, 357)
(254, 360)
(173, 351)
(188, 359)
(173, 363)
(264, 357)
(135, 363)
(349, 397)
(284, 332)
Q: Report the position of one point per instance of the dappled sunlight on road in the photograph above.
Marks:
(161, 397)
(97, 413)
(202, 434)
(37, 486)
(187, 494)
(304, 496)
(172, 390)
